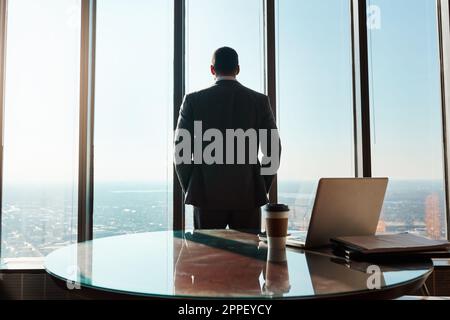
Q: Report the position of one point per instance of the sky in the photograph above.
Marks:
(42, 91)
(314, 89)
(133, 119)
(133, 129)
(406, 106)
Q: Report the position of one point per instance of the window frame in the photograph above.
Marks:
(3, 24)
(361, 89)
(179, 84)
(86, 128)
(443, 22)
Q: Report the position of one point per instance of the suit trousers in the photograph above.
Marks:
(241, 220)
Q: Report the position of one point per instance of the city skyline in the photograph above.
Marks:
(31, 229)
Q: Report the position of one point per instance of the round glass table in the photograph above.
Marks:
(224, 264)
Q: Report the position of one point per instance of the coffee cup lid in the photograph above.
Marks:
(276, 207)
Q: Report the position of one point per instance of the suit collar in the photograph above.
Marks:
(227, 82)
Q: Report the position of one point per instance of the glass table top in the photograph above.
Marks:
(218, 264)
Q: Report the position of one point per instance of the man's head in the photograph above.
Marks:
(225, 62)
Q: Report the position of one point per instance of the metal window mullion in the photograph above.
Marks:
(86, 135)
(3, 26)
(443, 16)
(361, 90)
(270, 70)
(178, 95)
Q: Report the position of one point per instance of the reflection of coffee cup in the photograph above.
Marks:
(276, 255)
(277, 217)
(277, 276)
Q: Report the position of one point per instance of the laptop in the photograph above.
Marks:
(342, 207)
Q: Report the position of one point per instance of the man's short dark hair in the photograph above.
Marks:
(225, 60)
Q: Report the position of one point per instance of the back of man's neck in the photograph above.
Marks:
(220, 78)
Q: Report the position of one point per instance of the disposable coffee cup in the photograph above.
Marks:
(277, 218)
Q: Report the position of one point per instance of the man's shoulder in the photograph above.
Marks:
(200, 92)
(255, 93)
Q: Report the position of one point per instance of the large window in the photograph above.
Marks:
(315, 109)
(133, 108)
(133, 116)
(39, 206)
(406, 114)
(214, 24)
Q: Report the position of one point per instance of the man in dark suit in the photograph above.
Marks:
(226, 193)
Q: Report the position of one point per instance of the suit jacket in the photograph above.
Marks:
(225, 105)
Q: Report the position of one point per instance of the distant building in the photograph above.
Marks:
(433, 216)
(381, 228)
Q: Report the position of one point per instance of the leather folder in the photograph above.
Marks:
(390, 243)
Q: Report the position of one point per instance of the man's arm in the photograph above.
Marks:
(268, 123)
(184, 139)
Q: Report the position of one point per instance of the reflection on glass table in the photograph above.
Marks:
(221, 264)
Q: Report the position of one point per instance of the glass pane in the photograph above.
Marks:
(214, 24)
(406, 114)
(41, 127)
(315, 113)
(133, 116)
